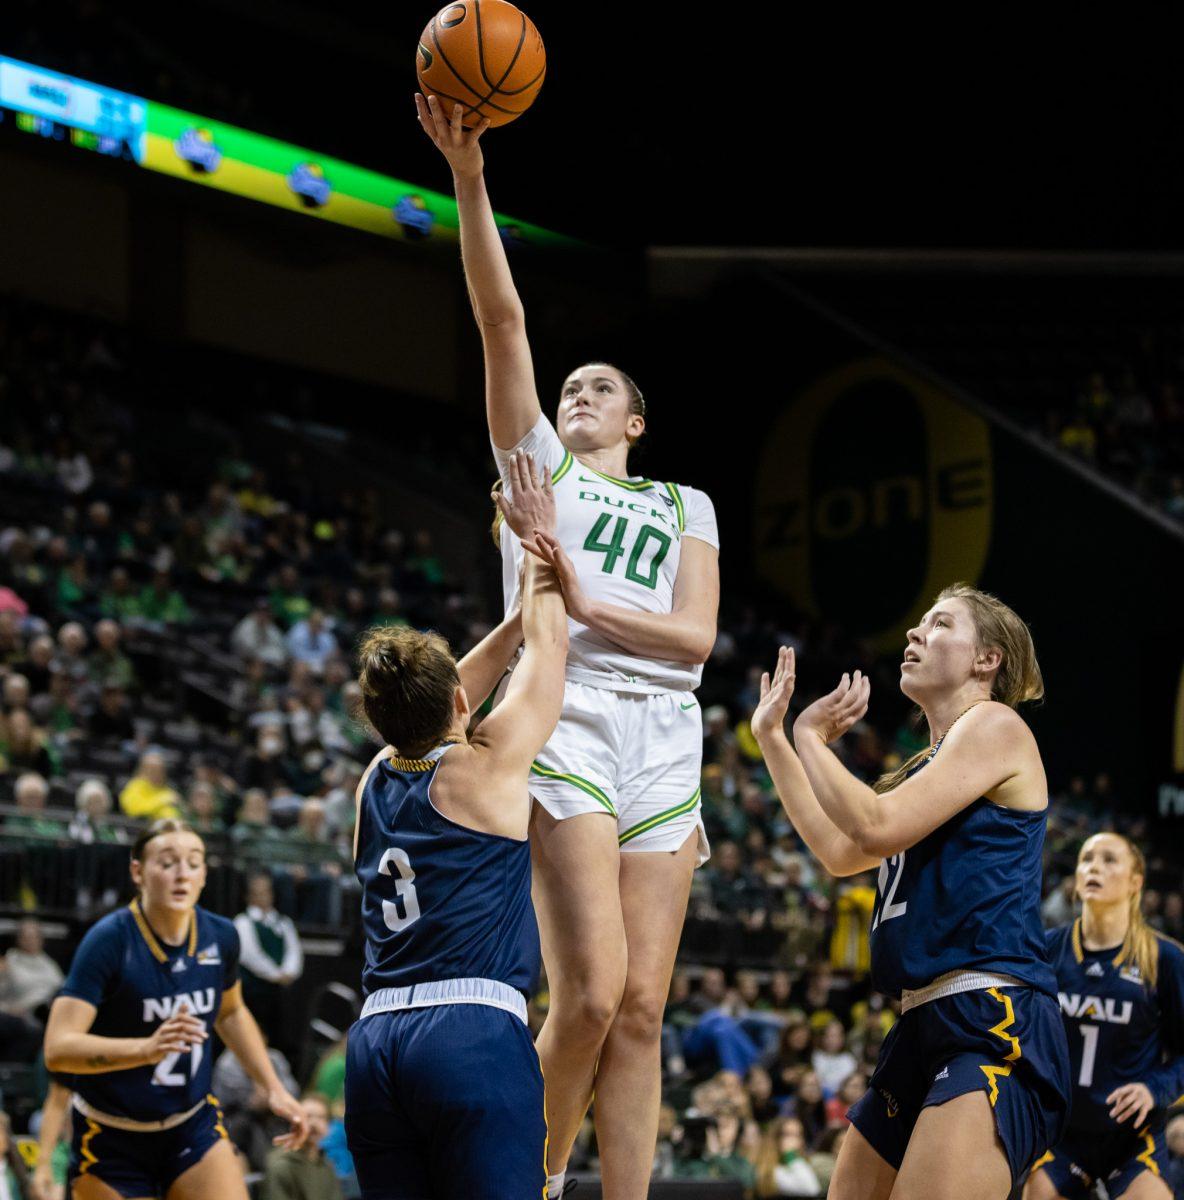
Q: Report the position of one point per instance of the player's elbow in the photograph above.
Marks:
(874, 841)
(502, 318)
(55, 1057)
(699, 645)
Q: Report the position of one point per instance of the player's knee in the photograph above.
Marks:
(640, 1015)
(587, 1009)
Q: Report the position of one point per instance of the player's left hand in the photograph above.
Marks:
(1131, 1100)
(529, 509)
(575, 600)
(830, 716)
(285, 1105)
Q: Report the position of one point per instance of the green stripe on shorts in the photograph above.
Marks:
(660, 818)
(576, 781)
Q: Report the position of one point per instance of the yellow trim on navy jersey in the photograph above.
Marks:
(546, 1126)
(88, 1156)
(1046, 1157)
(146, 933)
(992, 1072)
(411, 765)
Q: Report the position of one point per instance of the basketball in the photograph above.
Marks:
(485, 55)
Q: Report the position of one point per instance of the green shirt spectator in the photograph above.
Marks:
(160, 601)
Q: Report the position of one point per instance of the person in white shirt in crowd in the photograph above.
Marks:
(832, 1061)
(271, 957)
(309, 641)
(29, 978)
(258, 636)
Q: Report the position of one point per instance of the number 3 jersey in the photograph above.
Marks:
(966, 897)
(136, 982)
(1120, 1030)
(439, 900)
(625, 538)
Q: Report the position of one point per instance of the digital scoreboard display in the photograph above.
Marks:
(229, 159)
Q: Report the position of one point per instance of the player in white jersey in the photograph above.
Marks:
(616, 832)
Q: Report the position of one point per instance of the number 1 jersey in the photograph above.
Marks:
(966, 897)
(1120, 1030)
(625, 538)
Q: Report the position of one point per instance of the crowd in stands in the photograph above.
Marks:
(1130, 425)
(175, 639)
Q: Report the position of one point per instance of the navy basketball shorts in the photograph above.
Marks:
(142, 1163)
(445, 1101)
(1085, 1157)
(1007, 1042)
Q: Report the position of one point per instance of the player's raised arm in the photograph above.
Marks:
(511, 401)
(520, 726)
(837, 853)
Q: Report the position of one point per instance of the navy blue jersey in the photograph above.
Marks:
(1120, 1031)
(439, 901)
(136, 981)
(965, 897)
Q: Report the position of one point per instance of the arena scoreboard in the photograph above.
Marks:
(212, 154)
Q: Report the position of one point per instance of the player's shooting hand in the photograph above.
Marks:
(575, 599)
(287, 1107)
(462, 147)
(1131, 1100)
(769, 715)
(176, 1035)
(529, 509)
(830, 716)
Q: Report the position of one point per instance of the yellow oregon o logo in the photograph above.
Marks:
(874, 491)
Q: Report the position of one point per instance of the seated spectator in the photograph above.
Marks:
(311, 642)
(840, 1103)
(37, 666)
(271, 957)
(29, 978)
(109, 666)
(118, 600)
(831, 1060)
(303, 1174)
(826, 1156)
(266, 766)
(16, 692)
(31, 793)
(162, 604)
(71, 653)
(288, 602)
(794, 1051)
(735, 891)
(202, 809)
(249, 1119)
(147, 795)
(93, 802)
(784, 1168)
(258, 637)
(759, 1084)
(328, 1077)
(23, 746)
(111, 719)
(253, 833)
(809, 1106)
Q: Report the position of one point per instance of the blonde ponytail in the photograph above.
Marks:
(1140, 946)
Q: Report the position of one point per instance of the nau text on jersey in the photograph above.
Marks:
(201, 1001)
(1095, 1008)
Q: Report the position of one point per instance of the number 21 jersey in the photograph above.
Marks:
(966, 897)
(625, 538)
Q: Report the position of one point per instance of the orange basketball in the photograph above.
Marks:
(485, 55)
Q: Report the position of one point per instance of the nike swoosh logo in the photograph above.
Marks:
(692, 704)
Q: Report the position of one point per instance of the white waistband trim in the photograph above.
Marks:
(953, 982)
(170, 1122)
(447, 991)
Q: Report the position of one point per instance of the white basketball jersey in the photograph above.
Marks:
(625, 538)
